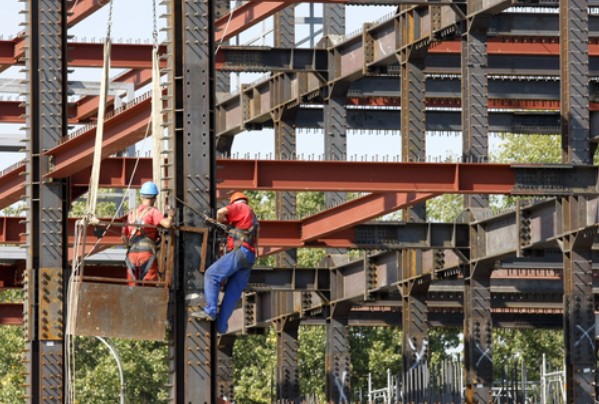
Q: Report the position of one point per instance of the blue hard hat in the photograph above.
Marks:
(149, 188)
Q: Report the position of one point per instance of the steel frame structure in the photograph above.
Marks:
(453, 66)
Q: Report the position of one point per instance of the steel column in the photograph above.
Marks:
(337, 356)
(579, 316)
(223, 79)
(335, 114)
(475, 115)
(225, 386)
(579, 321)
(45, 278)
(478, 324)
(574, 76)
(285, 149)
(415, 328)
(191, 94)
(287, 373)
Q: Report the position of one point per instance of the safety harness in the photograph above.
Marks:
(241, 236)
(139, 241)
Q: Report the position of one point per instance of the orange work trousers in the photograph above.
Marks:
(139, 261)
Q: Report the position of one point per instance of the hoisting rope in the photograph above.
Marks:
(94, 181)
(79, 247)
(89, 217)
(157, 124)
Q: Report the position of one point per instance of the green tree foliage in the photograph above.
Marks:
(441, 342)
(12, 344)
(254, 361)
(444, 208)
(529, 346)
(12, 369)
(104, 209)
(524, 149)
(374, 350)
(145, 371)
(312, 341)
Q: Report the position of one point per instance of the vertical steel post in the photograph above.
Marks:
(413, 142)
(337, 356)
(475, 114)
(335, 114)
(287, 373)
(45, 280)
(223, 79)
(478, 325)
(191, 97)
(579, 321)
(225, 386)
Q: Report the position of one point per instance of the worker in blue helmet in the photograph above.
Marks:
(142, 241)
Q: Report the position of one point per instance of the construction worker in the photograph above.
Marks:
(142, 241)
(234, 266)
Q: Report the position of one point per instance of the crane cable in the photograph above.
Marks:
(90, 216)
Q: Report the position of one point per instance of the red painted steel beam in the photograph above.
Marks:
(252, 12)
(122, 55)
(12, 231)
(87, 107)
(114, 173)
(11, 313)
(333, 228)
(283, 175)
(83, 9)
(12, 111)
(80, 10)
(120, 131)
(117, 172)
(12, 185)
(11, 276)
(85, 110)
(357, 211)
(139, 56)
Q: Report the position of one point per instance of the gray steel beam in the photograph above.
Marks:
(440, 121)
(191, 95)
(45, 279)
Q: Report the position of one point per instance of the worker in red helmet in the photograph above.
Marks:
(234, 266)
(142, 241)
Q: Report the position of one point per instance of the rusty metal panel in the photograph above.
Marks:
(50, 326)
(120, 311)
(351, 58)
(384, 41)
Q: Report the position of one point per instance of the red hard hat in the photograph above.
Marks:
(237, 196)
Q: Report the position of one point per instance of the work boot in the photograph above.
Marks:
(202, 315)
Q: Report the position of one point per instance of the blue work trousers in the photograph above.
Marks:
(231, 268)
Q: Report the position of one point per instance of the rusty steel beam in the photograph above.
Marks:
(11, 314)
(116, 172)
(82, 9)
(87, 107)
(139, 56)
(365, 176)
(121, 130)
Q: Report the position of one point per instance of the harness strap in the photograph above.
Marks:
(139, 272)
(242, 258)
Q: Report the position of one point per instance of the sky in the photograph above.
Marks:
(310, 144)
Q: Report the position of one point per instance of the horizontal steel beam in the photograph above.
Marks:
(116, 172)
(464, 178)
